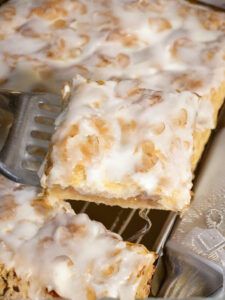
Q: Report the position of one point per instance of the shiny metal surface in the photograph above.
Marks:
(196, 248)
(134, 225)
(219, 4)
(28, 138)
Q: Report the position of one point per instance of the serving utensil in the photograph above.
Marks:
(28, 137)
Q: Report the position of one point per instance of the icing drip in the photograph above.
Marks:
(59, 252)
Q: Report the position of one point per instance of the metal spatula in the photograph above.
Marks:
(28, 138)
(219, 4)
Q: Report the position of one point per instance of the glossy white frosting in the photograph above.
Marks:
(62, 253)
(174, 44)
(127, 140)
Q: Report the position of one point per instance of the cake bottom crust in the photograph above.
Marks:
(145, 283)
(201, 137)
(11, 286)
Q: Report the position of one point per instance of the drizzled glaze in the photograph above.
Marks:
(167, 45)
(65, 254)
(174, 44)
(118, 139)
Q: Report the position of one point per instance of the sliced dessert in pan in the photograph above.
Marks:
(48, 252)
(172, 46)
(55, 40)
(120, 143)
(169, 48)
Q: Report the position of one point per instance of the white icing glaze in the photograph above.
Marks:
(174, 44)
(129, 141)
(165, 45)
(56, 250)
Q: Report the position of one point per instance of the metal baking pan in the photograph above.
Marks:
(192, 262)
(195, 251)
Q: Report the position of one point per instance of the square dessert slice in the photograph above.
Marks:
(119, 143)
(49, 252)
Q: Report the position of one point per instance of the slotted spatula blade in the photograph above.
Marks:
(30, 134)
